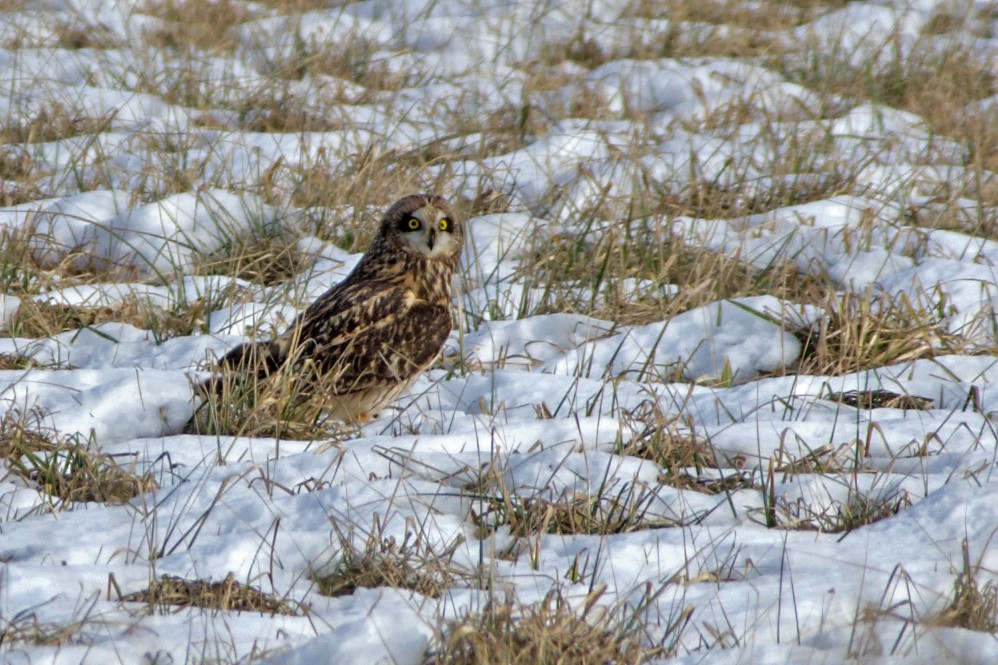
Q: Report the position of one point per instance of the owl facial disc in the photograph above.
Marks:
(429, 232)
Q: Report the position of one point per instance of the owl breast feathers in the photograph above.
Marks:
(370, 336)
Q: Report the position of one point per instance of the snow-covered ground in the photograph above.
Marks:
(164, 156)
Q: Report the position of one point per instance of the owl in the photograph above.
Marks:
(370, 336)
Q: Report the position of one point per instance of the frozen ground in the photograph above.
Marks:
(164, 155)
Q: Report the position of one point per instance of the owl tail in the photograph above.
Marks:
(257, 359)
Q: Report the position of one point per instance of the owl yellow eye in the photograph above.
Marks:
(444, 224)
(413, 224)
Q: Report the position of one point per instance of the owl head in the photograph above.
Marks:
(425, 226)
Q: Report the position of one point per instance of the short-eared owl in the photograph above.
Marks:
(370, 336)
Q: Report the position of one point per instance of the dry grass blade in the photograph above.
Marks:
(284, 405)
(551, 632)
(35, 318)
(227, 595)
(69, 469)
(20, 274)
(841, 517)
(974, 606)
(864, 331)
(264, 260)
(14, 361)
(193, 24)
(682, 456)
(52, 122)
(860, 506)
(383, 561)
(937, 79)
(847, 457)
(28, 629)
(618, 273)
(608, 510)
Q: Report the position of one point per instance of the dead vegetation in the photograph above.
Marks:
(975, 604)
(27, 628)
(860, 331)
(192, 24)
(284, 405)
(43, 319)
(261, 258)
(50, 122)
(68, 469)
(869, 494)
(686, 461)
(384, 561)
(609, 509)
(554, 630)
(169, 593)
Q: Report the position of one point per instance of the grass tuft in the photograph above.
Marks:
(860, 507)
(687, 462)
(284, 405)
(168, 593)
(553, 631)
(861, 331)
(192, 24)
(383, 561)
(974, 605)
(612, 508)
(36, 318)
(69, 469)
(267, 259)
(27, 628)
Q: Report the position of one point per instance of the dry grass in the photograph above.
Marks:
(611, 509)
(724, 28)
(18, 175)
(265, 259)
(383, 561)
(827, 459)
(553, 632)
(344, 199)
(192, 24)
(50, 122)
(14, 361)
(860, 507)
(77, 34)
(638, 237)
(844, 465)
(683, 457)
(301, 6)
(168, 593)
(342, 196)
(284, 405)
(276, 108)
(27, 628)
(23, 274)
(41, 319)
(356, 59)
(571, 513)
(69, 469)
(865, 330)
(583, 274)
(974, 605)
(881, 399)
(860, 510)
(939, 81)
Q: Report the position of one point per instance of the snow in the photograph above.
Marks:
(541, 403)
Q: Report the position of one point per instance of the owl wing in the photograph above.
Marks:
(363, 334)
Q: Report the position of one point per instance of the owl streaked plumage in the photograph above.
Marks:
(371, 335)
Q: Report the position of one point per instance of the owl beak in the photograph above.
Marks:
(430, 238)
